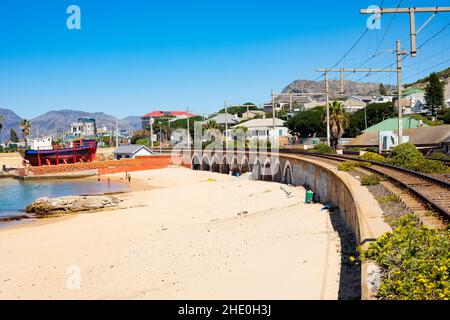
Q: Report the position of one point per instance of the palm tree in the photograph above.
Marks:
(211, 125)
(25, 125)
(339, 121)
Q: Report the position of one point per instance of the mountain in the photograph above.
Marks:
(444, 75)
(12, 120)
(350, 87)
(55, 121)
(133, 121)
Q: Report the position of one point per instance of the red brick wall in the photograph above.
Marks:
(110, 166)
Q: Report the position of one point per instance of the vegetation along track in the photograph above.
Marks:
(431, 190)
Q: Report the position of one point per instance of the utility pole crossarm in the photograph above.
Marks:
(405, 10)
(412, 19)
(355, 70)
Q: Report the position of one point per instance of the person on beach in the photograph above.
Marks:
(129, 178)
(109, 181)
(98, 178)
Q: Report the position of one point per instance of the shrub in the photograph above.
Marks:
(404, 155)
(439, 156)
(372, 156)
(322, 148)
(429, 166)
(371, 180)
(387, 199)
(415, 262)
(351, 165)
(347, 166)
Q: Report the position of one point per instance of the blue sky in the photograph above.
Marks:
(134, 56)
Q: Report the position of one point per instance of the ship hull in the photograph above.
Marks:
(61, 156)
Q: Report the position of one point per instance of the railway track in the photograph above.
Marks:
(433, 191)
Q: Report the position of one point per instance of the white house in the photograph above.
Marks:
(353, 104)
(42, 144)
(131, 151)
(261, 129)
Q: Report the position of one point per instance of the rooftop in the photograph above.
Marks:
(257, 123)
(130, 149)
(159, 113)
(392, 125)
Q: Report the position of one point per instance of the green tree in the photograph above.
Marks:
(13, 136)
(376, 112)
(308, 123)
(25, 125)
(382, 90)
(239, 110)
(446, 117)
(434, 94)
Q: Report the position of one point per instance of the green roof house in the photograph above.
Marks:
(392, 125)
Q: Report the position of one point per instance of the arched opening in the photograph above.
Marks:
(215, 167)
(244, 166)
(235, 169)
(206, 164)
(225, 166)
(195, 163)
(267, 171)
(277, 174)
(256, 171)
(288, 175)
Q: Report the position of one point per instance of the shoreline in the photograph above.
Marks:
(187, 235)
(20, 222)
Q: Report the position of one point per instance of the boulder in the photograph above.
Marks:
(68, 204)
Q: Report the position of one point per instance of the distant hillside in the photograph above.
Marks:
(12, 120)
(133, 121)
(350, 87)
(55, 121)
(444, 75)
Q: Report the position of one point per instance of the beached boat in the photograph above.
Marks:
(80, 151)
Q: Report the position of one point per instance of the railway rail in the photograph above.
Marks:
(431, 190)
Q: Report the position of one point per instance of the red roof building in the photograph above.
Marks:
(160, 115)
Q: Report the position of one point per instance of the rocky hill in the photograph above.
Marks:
(133, 121)
(444, 75)
(55, 121)
(350, 87)
(11, 120)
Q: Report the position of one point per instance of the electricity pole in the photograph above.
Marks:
(151, 132)
(188, 132)
(412, 19)
(226, 124)
(344, 70)
(273, 117)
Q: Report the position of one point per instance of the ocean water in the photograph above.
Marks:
(15, 194)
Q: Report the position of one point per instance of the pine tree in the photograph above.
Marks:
(434, 94)
(13, 137)
(382, 90)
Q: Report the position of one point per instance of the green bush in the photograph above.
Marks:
(415, 262)
(322, 148)
(371, 180)
(372, 156)
(351, 165)
(439, 156)
(404, 155)
(429, 166)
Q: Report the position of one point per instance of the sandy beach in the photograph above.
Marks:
(181, 234)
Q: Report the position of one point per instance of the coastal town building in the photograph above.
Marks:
(353, 104)
(131, 151)
(42, 144)
(164, 115)
(261, 129)
(225, 118)
(84, 128)
(252, 114)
